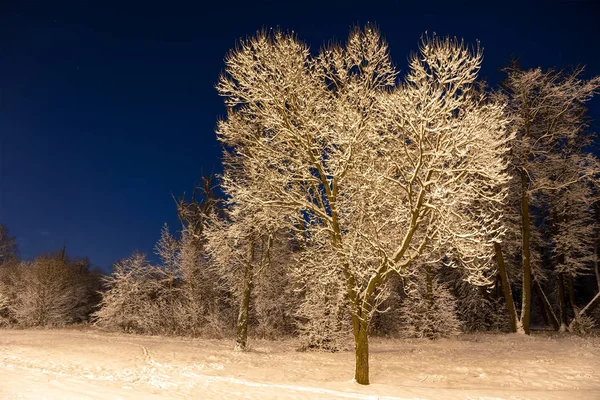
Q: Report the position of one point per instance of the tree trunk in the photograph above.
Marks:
(596, 266)
(497, 286)
(549, 316)
(561, 302)
(429, 280)
(242, 322)
(536, 286)
(587, 310)
(526, 255)
(572, 296)
(508, 297)
(171, 310)
(361, 348)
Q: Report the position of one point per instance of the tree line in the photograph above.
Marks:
(355, 201)
(51, 290)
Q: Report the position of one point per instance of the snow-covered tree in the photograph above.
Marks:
(430, 309)
(10, 275)
(243, 245)
(167, 248)
(136, 297)
(179, 295)
(380, 172)
(8, 246)
(8, 269)
(479, 308)
(323, 320)
(205, 302)
(194, 212)
(573, 236)
(275, 297)
(547, 110)
(52, 290)
(576, 251)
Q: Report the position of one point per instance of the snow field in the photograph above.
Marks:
(89, 364)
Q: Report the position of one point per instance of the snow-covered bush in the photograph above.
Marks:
(275, 301)
(136, 299)
(583, 325)
(323, 322)
(480, 313)
(8, 269)
(8, 276)
(4, 306)
(51, 291)
(429, 314)
(479, 308)
(179, 296)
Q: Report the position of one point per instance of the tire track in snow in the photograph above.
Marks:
(147, 358)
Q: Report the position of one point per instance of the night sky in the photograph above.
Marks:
(106, 111)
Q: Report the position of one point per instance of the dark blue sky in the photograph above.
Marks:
(106, 110)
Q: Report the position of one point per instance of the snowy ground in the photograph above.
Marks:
(88, 364)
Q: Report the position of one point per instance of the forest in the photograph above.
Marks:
(356, 201)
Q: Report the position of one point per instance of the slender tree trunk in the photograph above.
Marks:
(242, 322)
(561, 302)
(549, 316)
(429, 280)
(171, 311)
(526, 255)
(361, 348)
(536, 286)
(508, 297)
(596, 269)
(572, 296)
(497, 286)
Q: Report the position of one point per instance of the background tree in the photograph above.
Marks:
(8, 265)
(205, 302)
(429, 309)
(323, 320)
(136, 297)
(478, 308)
(179, 295)
(8, 246)
(547, 110)
(53, 290)
(245, 242)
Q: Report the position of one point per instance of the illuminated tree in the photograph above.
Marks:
(381, 173)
